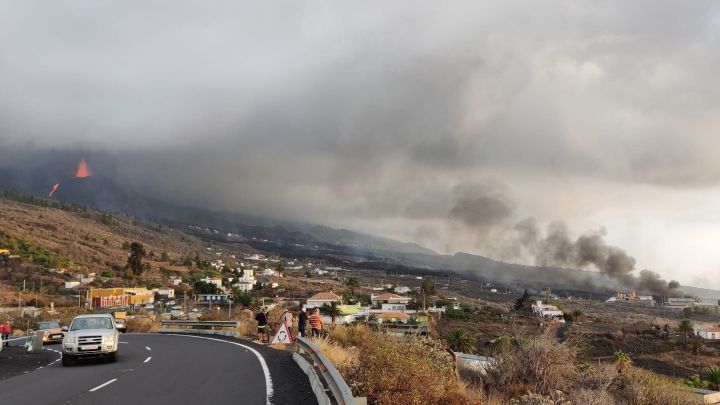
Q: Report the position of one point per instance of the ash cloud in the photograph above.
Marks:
(557, 248)
(480, 205)
(370, 114)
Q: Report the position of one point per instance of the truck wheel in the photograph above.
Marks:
(67, 361)
(113, 357)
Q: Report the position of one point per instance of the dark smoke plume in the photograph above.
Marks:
(558, 248)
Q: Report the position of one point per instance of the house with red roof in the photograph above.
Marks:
(711, 333)
(322, 298)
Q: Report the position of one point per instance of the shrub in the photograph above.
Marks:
(143, 325)
(461, 341)
(545, 367)
(389, 371)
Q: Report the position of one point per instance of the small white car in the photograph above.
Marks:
(89, 336)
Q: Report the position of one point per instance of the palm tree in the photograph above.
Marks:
(332, 310)
(715, 376)
(461, 341)
(622, 361)
(686, 327)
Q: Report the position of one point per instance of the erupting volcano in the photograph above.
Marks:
(82, 170)
(54, 189)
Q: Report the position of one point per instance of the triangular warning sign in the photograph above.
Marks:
(282, 335)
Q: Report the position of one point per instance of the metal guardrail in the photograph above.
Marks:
(339, 388)
(201, 327)
(216, 324)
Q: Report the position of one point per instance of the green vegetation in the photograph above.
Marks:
(134, 261)
(202, 287)
(685, 327)
(461, 341)
(107, 219)
(622, 361)
(332, 310)
(524, 301)
(24, 248)
(242, 298)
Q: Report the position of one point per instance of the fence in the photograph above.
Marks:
(200, 327)
(341, 393)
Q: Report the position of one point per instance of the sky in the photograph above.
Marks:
(442, 124)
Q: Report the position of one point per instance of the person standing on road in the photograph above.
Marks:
(6, 332)
(316, 323)
(302, 321)
(262, 331)
(287, 317)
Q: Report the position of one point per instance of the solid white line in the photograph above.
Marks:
(148, 359)
(102, 385)
(147, 348)
(123, 343)
(261, 359)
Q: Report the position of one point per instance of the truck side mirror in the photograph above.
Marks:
(64, 329)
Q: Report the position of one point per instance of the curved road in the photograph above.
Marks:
(167, 369)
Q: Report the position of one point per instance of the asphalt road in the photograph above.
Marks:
(167, 369)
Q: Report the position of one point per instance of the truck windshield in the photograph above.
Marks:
(91, 323)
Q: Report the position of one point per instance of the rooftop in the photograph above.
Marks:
(324, 296)
(393, 315)
(388, 296)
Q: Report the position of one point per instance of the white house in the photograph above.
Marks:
(393, 308)
(216, 281)
(248, 276)
(166, 292)
(244, 286)
(547, 311)
(71, 284)
(87, 280)
(712, 333)
(402, 290)
(389, 298)
(254, 257)
(322, 298)
(269, 272)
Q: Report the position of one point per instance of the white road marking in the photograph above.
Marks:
(123, 343)
(147, 348)
(148, 359)
(261, 359)
(104, 384)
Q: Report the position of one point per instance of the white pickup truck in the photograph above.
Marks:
(89, 336)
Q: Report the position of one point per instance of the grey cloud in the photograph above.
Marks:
(370, 111)
(480, 205)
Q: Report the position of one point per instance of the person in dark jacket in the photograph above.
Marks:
(302, 321)
(262, 330)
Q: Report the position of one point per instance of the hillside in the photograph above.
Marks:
(89, 239)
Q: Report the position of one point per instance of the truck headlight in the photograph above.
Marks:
(109, 339)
